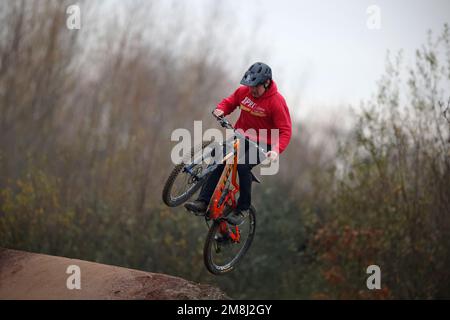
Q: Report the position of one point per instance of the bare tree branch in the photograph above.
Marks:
(444, 112)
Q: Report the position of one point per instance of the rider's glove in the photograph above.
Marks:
(218, 113)
(272, 155)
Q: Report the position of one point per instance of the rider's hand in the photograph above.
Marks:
(218, 113)
(272, 155)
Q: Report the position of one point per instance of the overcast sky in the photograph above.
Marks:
(322, 53)
(323, 50)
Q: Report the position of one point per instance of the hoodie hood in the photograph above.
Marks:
(273, 89)
(266, 112)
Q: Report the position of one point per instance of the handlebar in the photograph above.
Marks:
(226, 124)
(223, 122)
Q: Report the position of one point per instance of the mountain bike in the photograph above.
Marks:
(225, 244)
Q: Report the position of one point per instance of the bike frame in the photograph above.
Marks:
(222, 197)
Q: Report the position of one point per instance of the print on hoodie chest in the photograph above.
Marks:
(248, 105)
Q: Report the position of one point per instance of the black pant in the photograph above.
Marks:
(245, 178)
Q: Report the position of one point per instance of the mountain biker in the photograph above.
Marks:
(262, 107)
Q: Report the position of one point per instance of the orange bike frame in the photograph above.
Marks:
(215, 208)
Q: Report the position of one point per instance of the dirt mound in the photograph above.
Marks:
(26, 275)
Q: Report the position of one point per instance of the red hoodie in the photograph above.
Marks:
(266, 112)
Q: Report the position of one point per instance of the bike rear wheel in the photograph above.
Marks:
(222, 257)
(181, 185)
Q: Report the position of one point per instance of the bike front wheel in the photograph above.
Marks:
(220, 253)
(181, 185)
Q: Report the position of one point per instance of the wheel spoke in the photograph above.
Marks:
(184, 182)
(229, 253)
(180, 185)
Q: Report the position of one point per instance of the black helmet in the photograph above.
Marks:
(257, 74)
